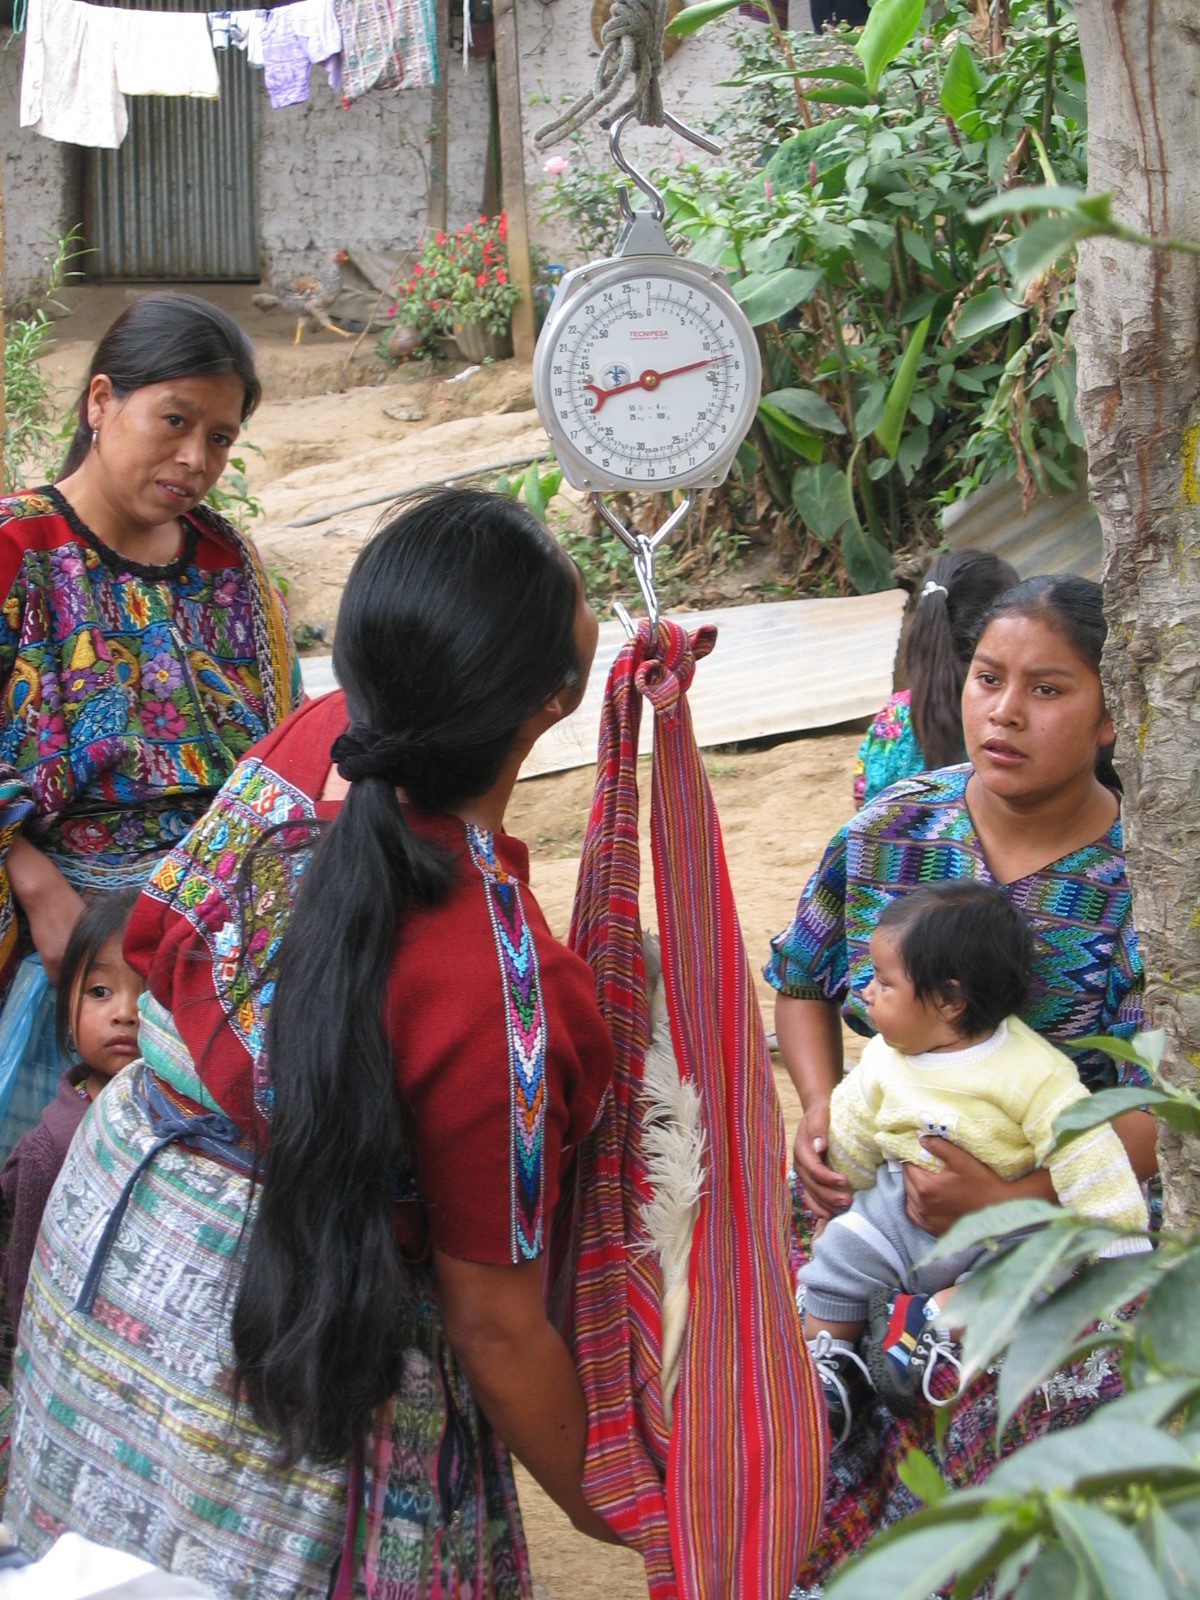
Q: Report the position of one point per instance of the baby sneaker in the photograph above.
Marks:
(904, 1349)
(832, 1357)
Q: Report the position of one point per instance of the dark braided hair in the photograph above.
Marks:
(457, 623)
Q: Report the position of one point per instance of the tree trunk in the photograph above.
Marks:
(1136, 333)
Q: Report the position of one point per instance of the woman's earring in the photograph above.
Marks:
(95, 437)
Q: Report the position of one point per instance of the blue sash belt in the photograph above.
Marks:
(209, 1132)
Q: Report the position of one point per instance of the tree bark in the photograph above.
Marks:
(1136, 334)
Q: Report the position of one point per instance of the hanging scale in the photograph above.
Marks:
(647, 374)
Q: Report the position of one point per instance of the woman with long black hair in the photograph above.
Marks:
(369, 1060)
(143, 649)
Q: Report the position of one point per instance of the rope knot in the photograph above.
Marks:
(632, 46)
(667, 674)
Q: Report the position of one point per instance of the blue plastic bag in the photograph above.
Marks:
(29, 1059)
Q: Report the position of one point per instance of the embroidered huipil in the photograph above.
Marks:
(502, 1057)
(1087, 971)
(129, 692)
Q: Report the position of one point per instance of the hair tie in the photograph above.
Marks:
(934, 588)
(360, 752)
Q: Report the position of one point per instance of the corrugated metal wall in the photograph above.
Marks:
(179, 199)
(1059, 534)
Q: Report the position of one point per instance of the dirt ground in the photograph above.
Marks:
(335, 428)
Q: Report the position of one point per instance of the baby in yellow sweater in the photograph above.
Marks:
(949, 1058)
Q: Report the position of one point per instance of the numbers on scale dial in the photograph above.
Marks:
(649, 373)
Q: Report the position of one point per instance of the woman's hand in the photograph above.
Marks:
(825, 1190)
(936, 1200)
(521, 1374)
(48, 900)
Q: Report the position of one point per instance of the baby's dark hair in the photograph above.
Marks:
(100, 921)
(963, 940)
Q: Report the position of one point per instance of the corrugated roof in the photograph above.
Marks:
(1059, 534)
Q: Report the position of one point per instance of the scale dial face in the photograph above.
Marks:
(646, 375)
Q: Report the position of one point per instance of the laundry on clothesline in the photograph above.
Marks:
(68, 80)
(296, 38)
(239, 30)
(165, 52)
(387, 44)
(82, 60)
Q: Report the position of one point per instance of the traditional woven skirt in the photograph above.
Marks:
(124, 1427)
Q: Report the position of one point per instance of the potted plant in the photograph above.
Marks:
(460, 287)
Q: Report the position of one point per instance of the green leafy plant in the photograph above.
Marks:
(231, 494)
(582, 192)
(461, 277)
(903, 364)
(35, 429)
(1109, 1509)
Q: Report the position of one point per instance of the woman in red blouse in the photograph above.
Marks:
(294, 1265)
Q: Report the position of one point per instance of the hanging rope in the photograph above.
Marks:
(631, 47)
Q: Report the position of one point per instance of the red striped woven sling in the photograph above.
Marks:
(726, 1502)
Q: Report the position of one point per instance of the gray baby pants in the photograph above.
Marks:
(875, 1245)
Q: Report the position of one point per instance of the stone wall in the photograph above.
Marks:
(40, 182)
(330, 176)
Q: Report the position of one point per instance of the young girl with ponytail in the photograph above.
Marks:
(296, 1271)
(920, 728)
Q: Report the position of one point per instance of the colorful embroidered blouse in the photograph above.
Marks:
(889, 750)
(1087, 972)
(502, 1057)
(129, 692)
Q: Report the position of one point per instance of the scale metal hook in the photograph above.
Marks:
(657, 203)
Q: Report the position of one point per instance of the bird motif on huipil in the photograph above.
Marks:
(309, 296)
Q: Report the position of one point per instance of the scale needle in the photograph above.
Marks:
(650, 379)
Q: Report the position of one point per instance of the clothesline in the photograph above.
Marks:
(84, 57)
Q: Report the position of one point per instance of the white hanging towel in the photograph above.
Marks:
(165, 52)
(69, 88)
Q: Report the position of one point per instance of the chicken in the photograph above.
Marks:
(309, 296)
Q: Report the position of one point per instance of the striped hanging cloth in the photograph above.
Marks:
(726, 1499)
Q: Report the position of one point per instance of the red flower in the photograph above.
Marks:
(441, 238)
(418, 270)
(481, 279)
(501, 275)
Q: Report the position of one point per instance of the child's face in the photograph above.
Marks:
(106, 1014)
(910, 1025)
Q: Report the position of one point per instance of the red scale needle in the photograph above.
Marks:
(648, 380)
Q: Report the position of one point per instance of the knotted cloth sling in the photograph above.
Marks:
(725, 1501)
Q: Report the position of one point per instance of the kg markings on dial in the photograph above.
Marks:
(648, 379)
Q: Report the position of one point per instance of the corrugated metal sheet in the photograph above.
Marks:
(1060, 534)
(779, 668)
(179, 199)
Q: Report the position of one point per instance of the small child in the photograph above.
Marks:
(949, 1058)
(96, 1021)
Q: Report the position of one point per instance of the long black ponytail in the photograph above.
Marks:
(959, 587)
(456, 624)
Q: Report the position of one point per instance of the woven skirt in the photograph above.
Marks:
(124, 1427)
